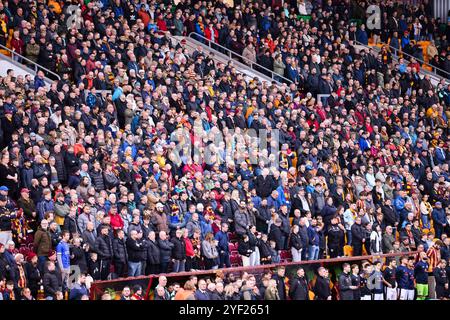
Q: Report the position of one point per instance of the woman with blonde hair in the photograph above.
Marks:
(231, 292)
(209, 249)
(235, 199)
(272, 291)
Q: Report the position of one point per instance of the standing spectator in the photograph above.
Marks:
(223, 246)
(134, 251)
(209, 251)
(42, 244)
(439, 219)
(298, 287)
(441, 279)
(345, 283)
(179, 251)
(120, 254)
(321, 287)
(165, 249)
(280, 277)
(103, 246)
(63, 255)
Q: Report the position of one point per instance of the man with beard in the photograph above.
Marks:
(33, 274)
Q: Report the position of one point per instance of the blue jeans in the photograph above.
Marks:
(425, 221)
(313, 253)
(134, 269)
(349, 237)
(179, 265)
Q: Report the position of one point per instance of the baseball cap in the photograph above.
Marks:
(4, 188)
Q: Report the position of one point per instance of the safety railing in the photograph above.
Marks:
(398, 53)
(235, 56)
(35, 65)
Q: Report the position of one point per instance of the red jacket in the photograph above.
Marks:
(116, 221)
(189, 248)
(161, 24)
(17, 45)
(208, 34)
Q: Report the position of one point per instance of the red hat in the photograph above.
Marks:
(137, 176)
(51, 253)
(24, 190)
(30, 256)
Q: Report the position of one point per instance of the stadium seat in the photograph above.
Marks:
(348, 251)
(285, 256)
(236, 260)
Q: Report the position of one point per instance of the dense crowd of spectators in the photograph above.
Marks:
(92, 174)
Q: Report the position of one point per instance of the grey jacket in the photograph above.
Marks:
(209, 250)
(278, 67)
(82, 221)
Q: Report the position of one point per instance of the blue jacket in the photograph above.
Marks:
(439, 216)
(63, 249)
(222, 238)
(313, 236)
(282, 198)
(363, 144)
(362, 37)
(78, 291)
(405, 278)
(38, 82)
(421, 272)
(43, 207)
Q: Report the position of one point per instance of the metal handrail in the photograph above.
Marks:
(37, 66)
(395, 50)
(231, 53)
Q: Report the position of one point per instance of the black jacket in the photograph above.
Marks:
(298, 288)
(345, 281)
(276, 235)
(322, 288)
(262, 215)
(33, 277)
(153, 253)
(51, 284)
(303, 233)
(97, 180)
(103, 246)
(244, 248)
(135, 250)
(264, 186)
(295, 241)
(281, 286)
(358, 234)
(79, 258)
(389, 215)
(165, 249)
(264, 251)
(70, 225)
(120, 250)
(179, 248)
